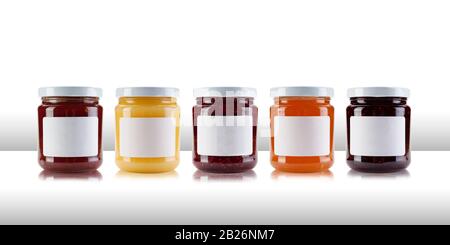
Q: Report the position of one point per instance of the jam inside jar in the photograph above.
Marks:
(378, 129)
(70, 129)
(302, 129)
(225, 129)
(147, 129)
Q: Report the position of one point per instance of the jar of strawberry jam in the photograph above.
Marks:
(302, 129)
(378, 129)
(225, 129)
(70, 129)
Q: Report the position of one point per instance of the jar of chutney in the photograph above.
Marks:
(70, 129)
(225, 129)
(378, 129)
(147, 129)
(302, 129)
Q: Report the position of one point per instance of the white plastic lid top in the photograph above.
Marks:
(302, 91)
(378, 92)
(70, 92)
(225, 92)
(148, 92)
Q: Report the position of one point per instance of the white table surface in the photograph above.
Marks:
(419, 195)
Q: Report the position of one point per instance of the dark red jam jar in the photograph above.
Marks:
(70, 129)
(378, 129)
(225, 129)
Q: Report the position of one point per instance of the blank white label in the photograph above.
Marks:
(147, 137)
(377, 136)
(302, 136)
(225, 135)
(70, 136)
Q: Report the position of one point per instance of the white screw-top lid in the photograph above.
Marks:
(225, 92)
(148, 92)
(302, 91)
(378, 92)
(70, 92)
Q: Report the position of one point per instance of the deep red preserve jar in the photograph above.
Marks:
(70, 129)
(225, 129)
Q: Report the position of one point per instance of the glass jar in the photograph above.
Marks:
(378, 129)
(302, 129)
(225, 129)
(70, 129)
(147, 129)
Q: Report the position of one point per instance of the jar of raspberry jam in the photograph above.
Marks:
(225, 129)
(378, 129)
(70, 129)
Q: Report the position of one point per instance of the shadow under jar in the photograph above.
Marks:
(225, 129)
(378, 129)
(70, 129)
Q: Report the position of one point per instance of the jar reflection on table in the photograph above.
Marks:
(51, 175)
(203, 176)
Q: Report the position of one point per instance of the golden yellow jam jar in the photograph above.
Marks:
(147, 129)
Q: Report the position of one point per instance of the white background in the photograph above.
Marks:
(195, 43)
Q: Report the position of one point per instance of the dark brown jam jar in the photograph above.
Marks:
(225, 129)
(378, 129)
(70, 129)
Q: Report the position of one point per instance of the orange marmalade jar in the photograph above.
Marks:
(302, 129)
